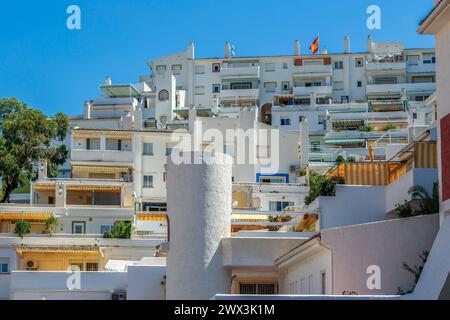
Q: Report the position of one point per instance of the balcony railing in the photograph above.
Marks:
(386, 67)
(398, 87)
(323, 70)
(306, 91)
(102, 155)
(240, 72)
(239, 93)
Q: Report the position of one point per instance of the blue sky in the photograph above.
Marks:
(56, 69)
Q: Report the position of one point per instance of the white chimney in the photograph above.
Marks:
(191, 51)
(347, 44)
(369, 43)
(87, 110)
(296, 48)
(108, 81)
(227, 49)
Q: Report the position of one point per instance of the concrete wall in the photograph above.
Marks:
(144, 282)
(386, 244)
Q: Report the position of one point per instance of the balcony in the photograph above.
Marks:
(312, 70)
(237, 72)
(397, 88)
(101, 155)
(247, 94)
(306, 91)
(385, 68)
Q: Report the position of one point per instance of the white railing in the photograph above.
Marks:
(306, 91)
(240, 71)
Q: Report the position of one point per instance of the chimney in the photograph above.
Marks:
(369, 43)
(347, 44)
(87, 110)
(191, 51)
(296, 48)
(227, 49)
(108, 81)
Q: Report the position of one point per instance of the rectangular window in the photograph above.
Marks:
(147, 149)
(258, 288)
(88, 144)
(339, 64)
(285, 85)
(148, 182)
(200, 90)
(169, 150)
(359, 84)
(279, 205)
(285, 121)
(322, 119)
(285, 65)
(338, 85)
(429, 58)
(270, 86)
(386, 80)
(359, 62)
(91, 266)
(4, 265)
(216, 88)
(240, 85)
(216, 67)
(414, 115)
(200, 69)
(78, 227)
(161, 69)
(412, 60)
(104, 229)
(176, 68)
(270, 67)
(422, 79)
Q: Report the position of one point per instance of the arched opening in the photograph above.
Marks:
(266, 113)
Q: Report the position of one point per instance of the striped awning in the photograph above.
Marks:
(97, 133)
(44, 186)
(249, 217)
(25, 216)
(97, 188)
(52, 249)
(152, 217)
(100, 169)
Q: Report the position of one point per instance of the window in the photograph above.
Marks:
(176, 68)
(323, 279)
(359, 84)
(270, 67)
(279, 205)
(313, 84)
(240, 85)
(344, 99)
(270, 86)
(285, 85)
(258, 288)
(338, 85)
(104, 229)
(412, 60)
(147, 149)
(429, 58)
(169, 150)
(78, 227)
(91, 266)
(414, 115)
(199, 69)
(285, 121)
(285, 65)
(148, 181)
(161, 69)
(301, 119)
(200, 90)
(163, 95)
(339, 64)
(422, 79)
(88, 144)
(216, 67)
(216, 88)
(359, 62)
(386, 80)
(4, 265)
(322, 119)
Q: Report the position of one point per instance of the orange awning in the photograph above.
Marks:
(25, 216)
(152, 217)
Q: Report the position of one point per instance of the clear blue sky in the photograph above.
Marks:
(56, 69)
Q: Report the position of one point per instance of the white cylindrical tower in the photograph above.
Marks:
(191, 51)
(199, 210)
(369, 43)
(347, 44)
(227, 50)
(296, 48)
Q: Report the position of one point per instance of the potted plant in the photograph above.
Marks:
(51, 224)
(22, 228)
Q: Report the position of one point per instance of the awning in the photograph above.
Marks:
(152, 217)
(344, 141)
(25, 216)
(62, 249)
(249, 217)
(97, 188)
(44, 187)
(115, 134)
(121, 90)
(100, 169)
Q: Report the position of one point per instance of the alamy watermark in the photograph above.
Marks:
(374, 19)
(73, 21)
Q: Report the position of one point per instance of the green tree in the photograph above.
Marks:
(22, 228)
(27, 136)
(428, 204)
(51, 224)
(120, 230)
(319, 185)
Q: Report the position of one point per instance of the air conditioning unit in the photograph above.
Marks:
(292, 168)
(31, 265)
(119, 295)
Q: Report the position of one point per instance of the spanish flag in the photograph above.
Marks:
(314, 47)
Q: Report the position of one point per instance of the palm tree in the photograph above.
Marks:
(428, 204)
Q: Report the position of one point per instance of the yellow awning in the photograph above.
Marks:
(250, 217)
(98, 133)
(25, 216)
(100, 169)
(98, 188)
(44, 187)
(72, 250)
(152, 217)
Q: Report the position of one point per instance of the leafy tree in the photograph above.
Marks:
(27, 136)
(22, 228)
(428, 204)
(120, 230)
(319, 185)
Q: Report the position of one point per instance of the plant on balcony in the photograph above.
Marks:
(50, 225)
(389, 126)
(416, 271)
(301, 172)
(340, 159)
(367, 128)
(120, 230)
(319, 185)
(404, 210)
(427, 204)
(22, 228)
(27, 136)
(351, 159)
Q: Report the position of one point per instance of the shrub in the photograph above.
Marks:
(51, 224)
(22, 228)
(301, 172)
(120, 230)
(404, 210)
(351, 159)
(389, 126)
(319, 186)
(340, 159)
